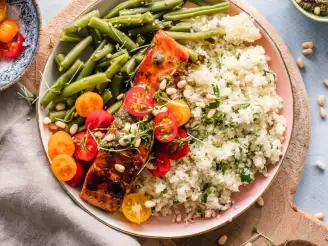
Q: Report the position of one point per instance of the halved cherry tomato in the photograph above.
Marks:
(60, 143)
(139, 102)
(161, 164)
(134, 209)
(8, 30)
(166, 127)
(181, 111)
(3, 10)
(99, 119)
(64, 167)
(86, 147)
(177, 149)
(87, 103)
(14, 48)
(79, 176)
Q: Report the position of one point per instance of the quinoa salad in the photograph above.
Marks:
(232, 142)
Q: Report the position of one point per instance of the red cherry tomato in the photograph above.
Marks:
(86, 147)
(162, 165)
(139, 102)
(179, 148)
(166, 127)
(14, 48)
(79, 176)
(99, 119)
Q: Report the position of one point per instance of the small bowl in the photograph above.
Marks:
(27, 14)
(308, 14)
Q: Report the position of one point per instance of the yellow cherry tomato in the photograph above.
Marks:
(64, 167)
(87, 103)
(134, 208)
(8, 30)
(181, 111)
(3, 10)
(60, 143)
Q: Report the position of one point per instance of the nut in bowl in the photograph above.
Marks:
(314, 9)
(176, 116)
(19, 36)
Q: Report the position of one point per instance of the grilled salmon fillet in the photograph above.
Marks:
(105, 187)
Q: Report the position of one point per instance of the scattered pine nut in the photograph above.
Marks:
(53, 127)
(123, 142)
(307, 52)
(174, 96)
(323, 113)
(321, 165)
(109, 137)
(162, 85)
(308, 45)
(60, 124)
(300, 63)
(120, 96)
(60, 106)
(187, 93)
(223, 240)
(248, 244)
(182, 84)
(150, 204)
(210, 97)
(73, 129)
(171, 91)
(211, 113)
(127, 126)
(260, 202)
(46, 121)
(326, 82)
(317, 10)
(321, 100)
(200, 104)
(319, 215)
(120, 168)
(138, 142)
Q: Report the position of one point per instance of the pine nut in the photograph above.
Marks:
(223, 240)
(317, 10)
(300, 63)
(60, 124)
(260, 202)
(138, 142)
(182, 84)
(109, 137)
(120, 96)
(127, 127)
(200, 104)
(298, 1)
(248, 244)
(321, 165)
(60, 106)
(307, 52)
(120, 168)
(210, 97)
(134, 129)
(321, 100)
(319, 215)
(52, 127)
(307, 45)
(46, 121)
(326, 82)
(173, 96)
(187, 93)
(73, 129)
(171, 91)
(150, 204)
(323, 113)
(211, 113)
(162, 85)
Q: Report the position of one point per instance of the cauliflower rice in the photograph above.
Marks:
(233, 142)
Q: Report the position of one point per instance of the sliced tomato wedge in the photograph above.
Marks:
(78, 179)
(14, 48)
(161, 165)
(139, 102)
(166, 127)
(86, 147)
(178, 148)
(99, 119)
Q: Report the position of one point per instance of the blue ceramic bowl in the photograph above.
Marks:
(26, 13)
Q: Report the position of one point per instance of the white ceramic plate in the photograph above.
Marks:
(161, 227)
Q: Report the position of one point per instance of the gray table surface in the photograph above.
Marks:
(294, 29)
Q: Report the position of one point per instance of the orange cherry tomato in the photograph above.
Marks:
(64, 167)
(8, 30)
(87, 103)
(134, 209)
(60, 143)
(3, 10)
(181, 111)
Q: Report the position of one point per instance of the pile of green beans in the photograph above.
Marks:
(119, 41)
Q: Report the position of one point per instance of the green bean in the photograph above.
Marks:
(140, 40)
(71, 57)
(96, 37)
(113, 33)
(160, 14)
(79, 121)
(139, 58)
(193, 12)
(58, 99)
(81, 128)
(181, 27)
(137, 19)
(58, 59)
(194, 35)
(52, 106)
(110, 58)
(81, 22)
(153, 7)
(116, 65)
(116, 86)
(90, 64)
(69, 114)
(101, 87)
(84, 84)
(130, 66)
(151, 27)
(69, 37)
(106, 96)
(61, 82)
(193, 56)
(57, 115)
(199, 2)
(107, 49)
(125, 5)
(71, 100)
(115, 107)
(118, 53)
